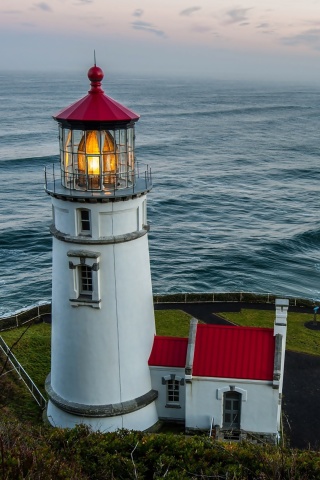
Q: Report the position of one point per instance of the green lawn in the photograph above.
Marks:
(32, 350)
(172, 323)
(299, 338)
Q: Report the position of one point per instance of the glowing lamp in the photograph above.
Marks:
(96, 164)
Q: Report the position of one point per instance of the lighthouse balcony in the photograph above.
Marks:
(78, 184)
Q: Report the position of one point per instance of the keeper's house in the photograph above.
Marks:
(223, 378)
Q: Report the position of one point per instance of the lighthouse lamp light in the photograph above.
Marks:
(97, 159)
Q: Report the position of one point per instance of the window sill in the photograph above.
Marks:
(172, 405)
(85, 302)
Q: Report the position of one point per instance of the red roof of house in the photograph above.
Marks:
(234, 352)
(96, 106)
(169, 352)
(220, 351)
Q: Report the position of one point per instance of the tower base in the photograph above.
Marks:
(141, 419)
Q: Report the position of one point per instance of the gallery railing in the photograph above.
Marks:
(127, 181)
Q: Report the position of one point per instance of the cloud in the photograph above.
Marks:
(147, 27)
(244, 24)
(201, 29)
(309, 37)
(43, 6)
(84, 2)
(263, 25)
(10, 12)
(189, 11)
(138, 12)
(236, 15)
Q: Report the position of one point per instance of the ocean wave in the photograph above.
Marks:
(44, 160)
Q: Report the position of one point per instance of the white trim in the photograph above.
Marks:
(233, 380)
(173, 376)
(221, 391)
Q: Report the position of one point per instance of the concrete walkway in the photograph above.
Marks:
(301, 389)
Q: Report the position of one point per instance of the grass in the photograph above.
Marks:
(172, 323)
(299, 338)
(32, 350)
(16, 402)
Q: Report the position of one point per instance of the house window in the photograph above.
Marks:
(85, 281)
(231, 410)
(84, 221)
(173, 391)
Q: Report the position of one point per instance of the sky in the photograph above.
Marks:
(268, 39)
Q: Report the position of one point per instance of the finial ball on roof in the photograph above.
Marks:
(95, 74)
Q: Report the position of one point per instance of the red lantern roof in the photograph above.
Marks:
(96, 106)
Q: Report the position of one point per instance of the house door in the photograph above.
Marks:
(231, 410)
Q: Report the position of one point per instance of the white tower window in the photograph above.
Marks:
(84, 282)
(84, 221)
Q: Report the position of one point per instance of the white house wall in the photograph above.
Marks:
(259, 405)
(166, 412)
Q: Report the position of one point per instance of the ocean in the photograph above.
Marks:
(235, 200)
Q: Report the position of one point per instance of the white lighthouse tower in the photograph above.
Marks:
(102, 307)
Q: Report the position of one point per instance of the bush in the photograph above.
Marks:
(44, 453)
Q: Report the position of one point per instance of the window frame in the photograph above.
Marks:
(86, 232)
(84, 266)
(85, 281)
(173, 391)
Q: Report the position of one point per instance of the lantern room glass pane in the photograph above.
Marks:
(97, 159)
(122, 145)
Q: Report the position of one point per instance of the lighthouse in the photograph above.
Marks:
(102, 306)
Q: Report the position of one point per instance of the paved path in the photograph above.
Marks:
(301, 387)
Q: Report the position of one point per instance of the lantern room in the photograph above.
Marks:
(96, 137)
(99, 159)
